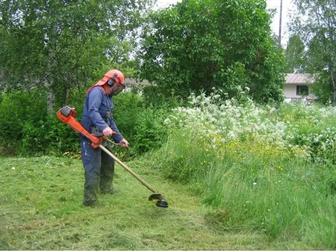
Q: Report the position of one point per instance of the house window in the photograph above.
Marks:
(302, 90)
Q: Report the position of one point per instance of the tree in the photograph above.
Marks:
(197, 45)
(61, 45)
(316, 24)
(294, 54)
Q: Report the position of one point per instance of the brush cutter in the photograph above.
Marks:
(67, 115)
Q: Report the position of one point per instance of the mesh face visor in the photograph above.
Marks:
(116, 88)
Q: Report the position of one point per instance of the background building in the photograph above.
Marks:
(298, 86)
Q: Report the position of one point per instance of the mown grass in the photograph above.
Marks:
(41, 210)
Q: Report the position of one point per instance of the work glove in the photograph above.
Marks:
(108, 131)
(123, 143)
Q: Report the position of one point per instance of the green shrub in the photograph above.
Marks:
(27, 129)
(142, 125)
(128, 106)
(313, 127)
(150, 133)
(48, 137)
(18, 109)
(154, 96)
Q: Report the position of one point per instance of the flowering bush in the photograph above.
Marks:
(297, 128)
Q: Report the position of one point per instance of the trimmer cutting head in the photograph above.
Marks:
(160, 201)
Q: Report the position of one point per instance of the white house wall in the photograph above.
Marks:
(290, 91)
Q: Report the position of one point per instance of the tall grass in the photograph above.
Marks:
(247, 165)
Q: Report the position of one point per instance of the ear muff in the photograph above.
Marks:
(110, 82)
(113, 80)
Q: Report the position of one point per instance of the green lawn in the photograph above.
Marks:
(41, 209)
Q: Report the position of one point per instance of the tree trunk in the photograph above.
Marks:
(66, 96)
(50, 97)
(50, 101)
(333, 83)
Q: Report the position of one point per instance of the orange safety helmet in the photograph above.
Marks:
(115, 75)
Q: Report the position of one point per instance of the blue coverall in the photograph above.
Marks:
(99, 167)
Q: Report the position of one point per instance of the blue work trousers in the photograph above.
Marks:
(99, 171)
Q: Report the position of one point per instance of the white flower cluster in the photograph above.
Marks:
(221, 121)
(323, 142)
(226, 120)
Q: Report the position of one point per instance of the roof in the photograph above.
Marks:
(132, 82)
(295, 78)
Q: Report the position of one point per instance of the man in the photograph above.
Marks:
(97, 117)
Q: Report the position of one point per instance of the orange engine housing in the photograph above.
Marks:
(67, 115)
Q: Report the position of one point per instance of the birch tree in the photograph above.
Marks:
(61, 45)
(316, 24)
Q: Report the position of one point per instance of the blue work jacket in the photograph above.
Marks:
(97, 112)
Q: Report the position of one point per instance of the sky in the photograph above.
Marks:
(271, 4)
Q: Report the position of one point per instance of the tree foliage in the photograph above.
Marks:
(60, 45)
(316, 24)
(197, 45)
(295, 54)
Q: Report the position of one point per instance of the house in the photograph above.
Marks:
(298, 87)
(136, 84)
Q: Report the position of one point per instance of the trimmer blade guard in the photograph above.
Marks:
(155, 196)
(160, 201)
